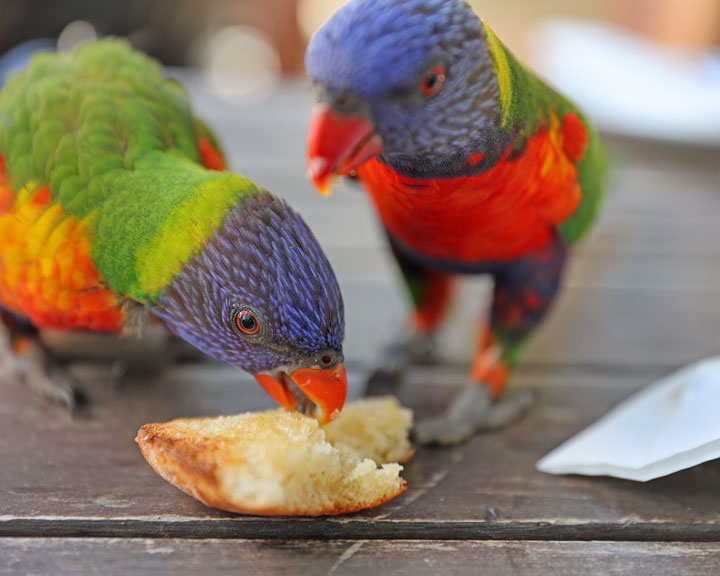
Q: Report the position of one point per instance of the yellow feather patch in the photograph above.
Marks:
(185, 232)
(502, 71)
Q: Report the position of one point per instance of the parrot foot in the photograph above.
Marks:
(410, 348)
(471, 411)
(30, 364)
(51, 383)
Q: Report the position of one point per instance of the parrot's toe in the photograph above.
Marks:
(508, 409)
(28, 363)
(442, 432)
(471, 411)
(54, 385)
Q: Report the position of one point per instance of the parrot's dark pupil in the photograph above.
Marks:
(326, 359)
(431, 82)
(248, 322)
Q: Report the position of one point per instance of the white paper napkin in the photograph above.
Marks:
(671, 425)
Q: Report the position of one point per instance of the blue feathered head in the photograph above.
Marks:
(419, 71)
(261, 295)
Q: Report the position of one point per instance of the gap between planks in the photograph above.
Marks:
(355, 529)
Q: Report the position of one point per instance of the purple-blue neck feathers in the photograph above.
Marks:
(263, 256)
(378, 50)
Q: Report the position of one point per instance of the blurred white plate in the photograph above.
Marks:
(629, 85)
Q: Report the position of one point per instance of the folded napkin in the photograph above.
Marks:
(671, 425)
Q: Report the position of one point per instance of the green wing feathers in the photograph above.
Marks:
(157, 217)
(526, 103)
(117, 144)
(70, 117)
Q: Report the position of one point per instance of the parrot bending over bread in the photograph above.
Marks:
(474, 165)
(114, 202)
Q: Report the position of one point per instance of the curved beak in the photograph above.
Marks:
(338, 144)
(307, 388)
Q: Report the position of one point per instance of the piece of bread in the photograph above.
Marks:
(284, 463)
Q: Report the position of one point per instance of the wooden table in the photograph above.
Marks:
(641, 299)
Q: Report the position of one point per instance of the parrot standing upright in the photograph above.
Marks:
(474, 165)
(114, 203)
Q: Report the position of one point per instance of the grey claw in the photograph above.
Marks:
(441, 432)
(55, 386)
(471, 411)
(39, 373)
(509, 409)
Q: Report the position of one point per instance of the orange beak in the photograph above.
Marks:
(337, 145)
(326, 389)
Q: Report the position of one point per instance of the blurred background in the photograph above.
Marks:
(177, 31)
(655, 62)
(646, 71)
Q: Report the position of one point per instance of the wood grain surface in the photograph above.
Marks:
(110, 556)
(87, 477)
(640, 299)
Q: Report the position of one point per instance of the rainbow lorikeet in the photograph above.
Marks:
(474, 164)
(114, 202)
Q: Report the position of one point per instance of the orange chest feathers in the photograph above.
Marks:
(46, 269)
(510, 210)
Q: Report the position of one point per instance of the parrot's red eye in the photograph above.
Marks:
(326, 359)
(247, 323)
(432, 81)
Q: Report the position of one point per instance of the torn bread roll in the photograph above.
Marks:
(280, 463)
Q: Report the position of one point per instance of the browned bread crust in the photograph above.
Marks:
(278, 463)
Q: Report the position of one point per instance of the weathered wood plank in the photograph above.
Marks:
(404, 557)
(640, 299)
(611, 325)
(629, 327)
(87, 478)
